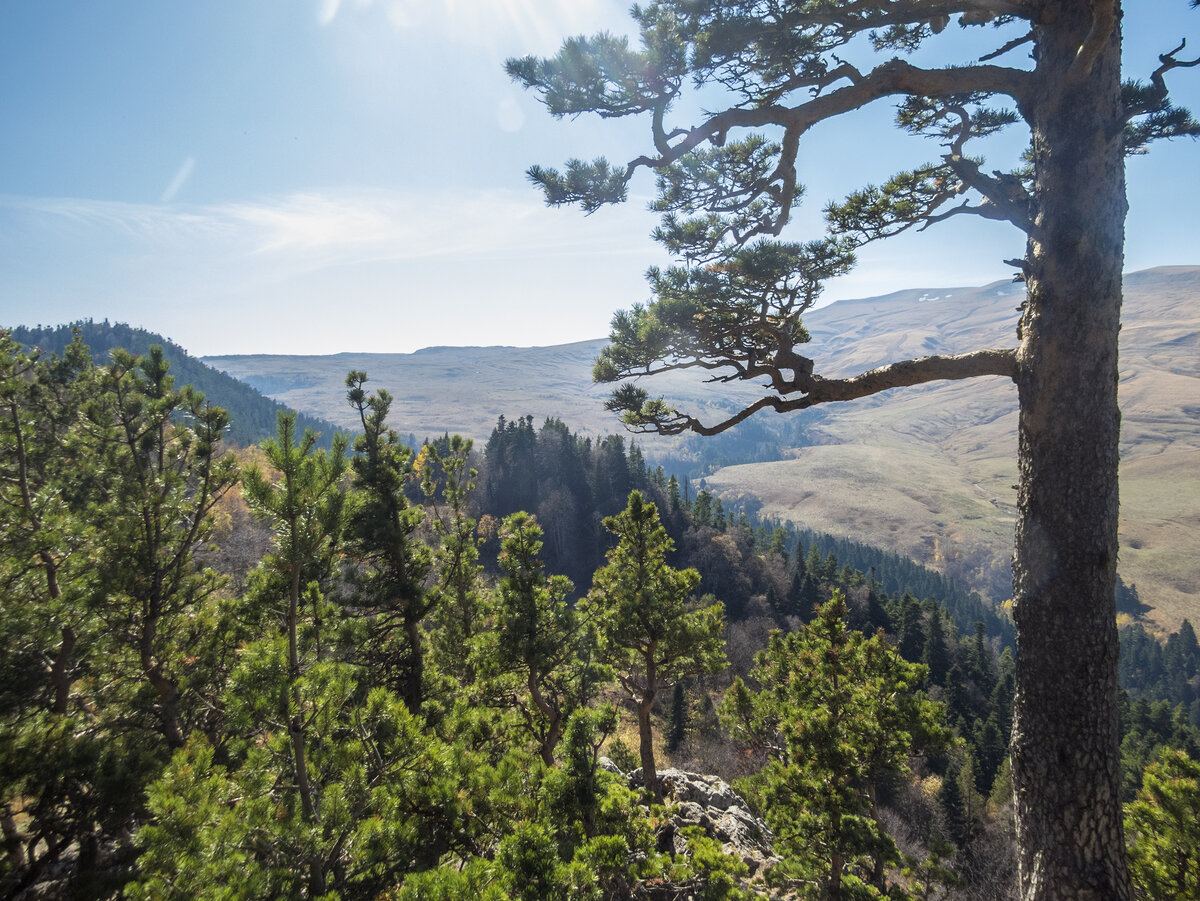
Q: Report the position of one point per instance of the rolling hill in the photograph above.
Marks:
(930, 470)
(927, 471)
(252, 415)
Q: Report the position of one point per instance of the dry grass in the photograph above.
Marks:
(929, 471)
(925, 471)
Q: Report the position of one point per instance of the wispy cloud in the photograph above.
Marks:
(345, 226)
(327, 11)
(180, 179)
(511, 270)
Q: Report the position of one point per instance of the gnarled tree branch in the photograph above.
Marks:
(822, 390)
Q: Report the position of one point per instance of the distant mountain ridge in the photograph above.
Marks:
(930, 470)
(926, 470)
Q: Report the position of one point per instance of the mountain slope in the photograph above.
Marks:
(930, 470)
(252, 414)
(926, 470)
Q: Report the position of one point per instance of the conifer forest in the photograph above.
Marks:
(247, 654)
(445, 672)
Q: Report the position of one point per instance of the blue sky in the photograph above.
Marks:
(316, 176)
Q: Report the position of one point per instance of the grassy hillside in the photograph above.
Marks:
(926, 470)
(253, 414)
(930, 470)
(464, 390)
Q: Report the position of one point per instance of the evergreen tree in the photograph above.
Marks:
(703, 509)
(809, 599)
(164, 480)
(911, 641)
(991, 747)
(455, 593)
(673, 494)
(307, 507)
(954, 807)
(836, 712)
(955, 695)
(1163, 824)
(778, 545)
(728, 90)
(979, 661)
(1001, 705)
(936, 655)
(392, 561)
(814, 563)
(677, 723)
(877, 614)
(538, 637)
(830, 568)
(793, 600)
(651, 632)
(107, 488)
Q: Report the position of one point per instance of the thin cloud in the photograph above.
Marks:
(318, 230)
(500, 259)
(327, 11)
(180, 179)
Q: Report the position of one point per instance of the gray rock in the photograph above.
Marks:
(607, 765)
(710, 803)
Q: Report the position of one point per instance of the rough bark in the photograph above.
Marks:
(168, 692)
(646, 744)
(818, 390)
(1066, 760)
(60, 672)
(553, 716)
(415, 677)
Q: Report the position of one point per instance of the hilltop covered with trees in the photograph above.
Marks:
(252, 414)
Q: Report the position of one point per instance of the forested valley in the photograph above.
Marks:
(367, 670)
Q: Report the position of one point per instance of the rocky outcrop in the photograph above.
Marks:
(710, 803)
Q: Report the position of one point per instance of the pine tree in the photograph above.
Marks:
(107, 486)
(393, 562)
(1163, 824)
(307, 507)
(877, 614)
(836, 713)
(538, 636)
(729, 90)
(809, 600)
(911, 640)
(936, 655)
(954, 807)
(651, 632)
(673, 495)
(164, 480)
(979, 661)
(456, 590)
(677, 723)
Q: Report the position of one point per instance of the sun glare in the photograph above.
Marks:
(483, 21)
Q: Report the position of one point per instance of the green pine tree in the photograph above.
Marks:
(651, 631)
(1163, 829)
(836, 712)
(393, 563)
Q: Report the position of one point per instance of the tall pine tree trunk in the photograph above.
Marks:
(168, 693)
(645, 704)
(1066, 760)
(415, 676)
(646, 743)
